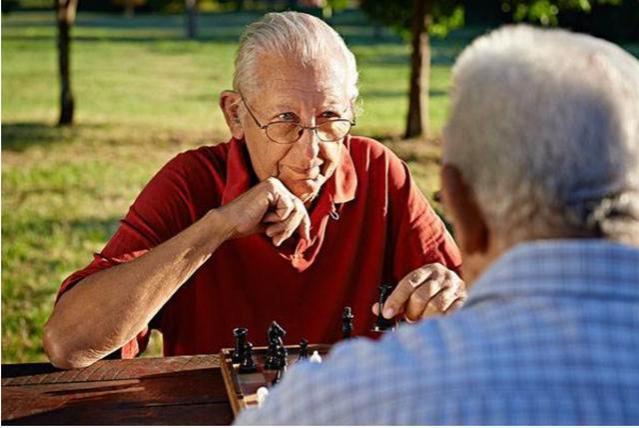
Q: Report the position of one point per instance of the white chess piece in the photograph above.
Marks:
(262, 393)
(315, 358)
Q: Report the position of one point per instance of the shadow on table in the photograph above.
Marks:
(189, 397)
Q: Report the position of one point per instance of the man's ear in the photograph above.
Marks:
(473, 235)
(230, 105)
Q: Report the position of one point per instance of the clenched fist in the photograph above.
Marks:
(268, 207)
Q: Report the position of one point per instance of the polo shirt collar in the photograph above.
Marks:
(240, 177)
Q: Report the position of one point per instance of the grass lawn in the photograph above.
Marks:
(143, 94)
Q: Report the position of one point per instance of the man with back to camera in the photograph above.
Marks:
(541, 179)
(292, 220)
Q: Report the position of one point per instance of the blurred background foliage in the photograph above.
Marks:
(616, 20)
(145, 92)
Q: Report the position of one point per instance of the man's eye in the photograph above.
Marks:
(287, 117)
(329, 115)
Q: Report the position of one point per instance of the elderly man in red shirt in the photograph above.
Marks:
(291, 220)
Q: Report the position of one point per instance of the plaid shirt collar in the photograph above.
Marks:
(594, 267)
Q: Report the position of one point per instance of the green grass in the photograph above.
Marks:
(143, 94)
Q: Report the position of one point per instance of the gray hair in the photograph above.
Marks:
(544, 127)
(291, 34)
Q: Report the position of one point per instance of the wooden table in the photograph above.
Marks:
(151, 391)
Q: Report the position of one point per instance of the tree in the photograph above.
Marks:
(190, 7)
(415, 20)
(417, 119)
(129, 8)
(546, 12)
(65, 16)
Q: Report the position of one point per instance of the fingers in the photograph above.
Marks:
(430, 290)
(287, 216)
(304, 229)
(282, 211)
(406, 287)
(438, 304)
(458, 303)
(423, 300)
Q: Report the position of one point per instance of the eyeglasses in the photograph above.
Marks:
(286, 132)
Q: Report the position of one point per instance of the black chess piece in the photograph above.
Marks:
(382, 323)
(347, 322)
(303, 355)
(281, 358)
(248, 364)
(275, 332)
(278, 377)
(276, 353)
(240, 343)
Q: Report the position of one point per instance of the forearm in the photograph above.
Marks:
(106, 310)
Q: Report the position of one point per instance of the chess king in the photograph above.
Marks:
(291, 219)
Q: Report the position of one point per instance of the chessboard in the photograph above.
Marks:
(242, 387)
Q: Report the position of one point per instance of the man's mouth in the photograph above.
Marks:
(311, 173)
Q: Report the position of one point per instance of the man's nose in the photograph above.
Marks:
(308, 145)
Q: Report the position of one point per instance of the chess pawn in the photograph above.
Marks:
(347, 322)
(262, 393)
(248, 364)
(240, 342)
(316, 358)
(303, 355)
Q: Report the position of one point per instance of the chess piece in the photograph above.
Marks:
(278, 377)
(382, 323)
(303, 355)
(316, 358)
(240, 343)
(248, 364)
(281, 358)
(347, 322)
(262, 393)
(276, 353)
(275, 332)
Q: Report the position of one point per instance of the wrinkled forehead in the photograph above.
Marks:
(280, 79)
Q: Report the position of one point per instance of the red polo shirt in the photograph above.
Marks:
(370, 225)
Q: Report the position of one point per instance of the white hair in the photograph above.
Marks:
(544, 127)
(291, 35)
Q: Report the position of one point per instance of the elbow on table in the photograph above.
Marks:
(58, 352)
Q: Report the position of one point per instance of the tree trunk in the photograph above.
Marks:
(417, 121)
(191, 18)
(65, 16)
(129, 8)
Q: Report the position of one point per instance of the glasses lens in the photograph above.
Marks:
(333, 130)
(284, 132)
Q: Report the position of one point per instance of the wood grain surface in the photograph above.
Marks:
(166, 391)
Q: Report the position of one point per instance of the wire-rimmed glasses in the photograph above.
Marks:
(288, 132)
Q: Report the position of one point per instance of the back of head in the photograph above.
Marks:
(296, 37)
(544, 127)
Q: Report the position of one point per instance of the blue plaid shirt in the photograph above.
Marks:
(549, 335)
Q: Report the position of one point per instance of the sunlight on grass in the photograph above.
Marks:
(143, 95)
